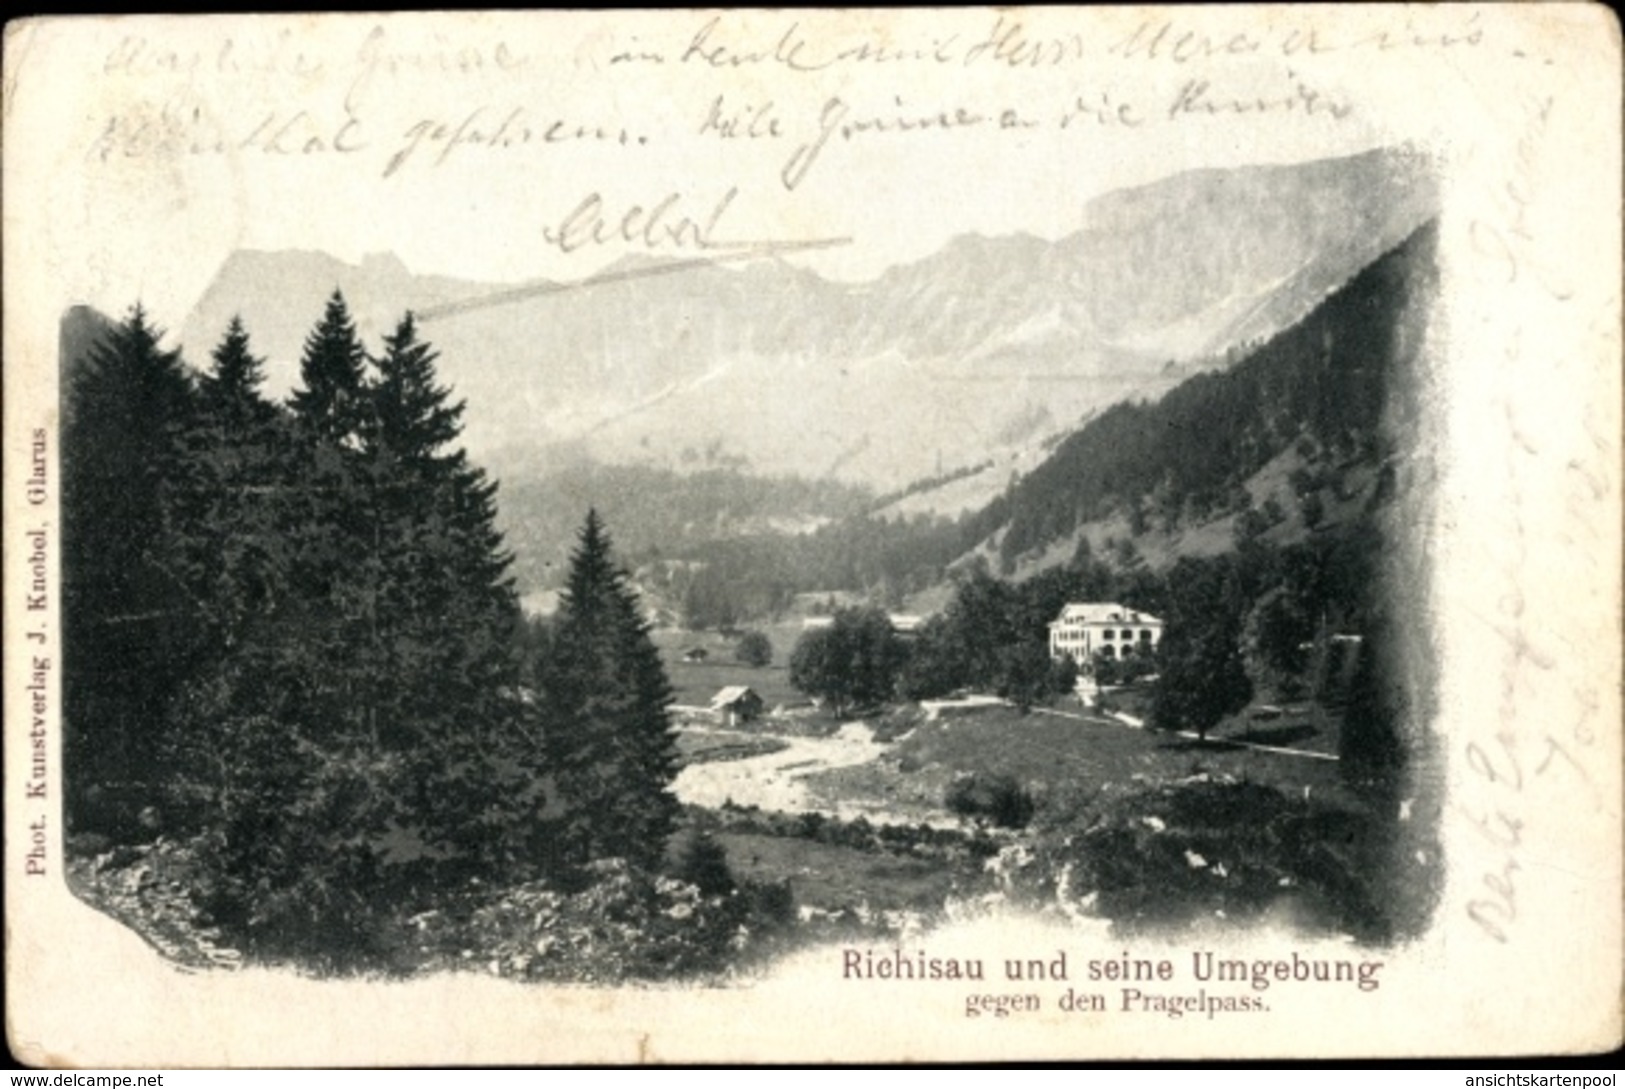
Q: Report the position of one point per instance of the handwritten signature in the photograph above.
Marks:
(660, 225)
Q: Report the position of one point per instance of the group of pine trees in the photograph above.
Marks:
(291, 636)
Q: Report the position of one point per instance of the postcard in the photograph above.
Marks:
(789, 537)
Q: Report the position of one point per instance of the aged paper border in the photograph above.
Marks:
(1522, 543)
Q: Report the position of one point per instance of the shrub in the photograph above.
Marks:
(292, 862)
(898, 722)
(772, 903)
(622, 924)
(1188, 852)
(754, 649)
(998, 799)
(704, 864)
(1313, 508)
(1250, 524)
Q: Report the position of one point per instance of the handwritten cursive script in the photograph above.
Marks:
(662, 225)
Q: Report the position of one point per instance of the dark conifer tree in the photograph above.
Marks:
(129, 632)
(328, 531)
(611, 740)
(429, 483)
(237, 473)
(373, 701)
(442, 673)
(231, 392)
(412, 422)
(1372, 743)
(274, 732)
(333, 369)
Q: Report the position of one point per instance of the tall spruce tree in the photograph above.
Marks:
(611, 741)
(275, 732)
(332, 401)
(231, 393)
(328, 531)
(366, 734)
(413, 422)
(444, 616)
(237, 473)
(129, 626)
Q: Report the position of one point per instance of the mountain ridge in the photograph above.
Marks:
(1296, 438)
(794, 372)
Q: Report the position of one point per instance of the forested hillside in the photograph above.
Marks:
(660, 513)
(1318, 389)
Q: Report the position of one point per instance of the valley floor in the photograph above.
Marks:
(850, 774)
(848, 824)
(777, 781)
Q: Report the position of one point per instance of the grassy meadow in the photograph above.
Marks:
(1050, 752)
(696, 682)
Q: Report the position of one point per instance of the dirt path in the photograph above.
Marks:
(773, 780)
(777, 781)
(1117, 720)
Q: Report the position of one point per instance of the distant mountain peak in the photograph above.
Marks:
(796, 372)
(384, 263)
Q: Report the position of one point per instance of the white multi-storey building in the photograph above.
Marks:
(1086, 629)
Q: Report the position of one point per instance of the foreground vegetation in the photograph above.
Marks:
(1048, 753)
(294, 650)
(1182, 836)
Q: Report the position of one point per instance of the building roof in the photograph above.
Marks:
(1108, 612)
(731, 695)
